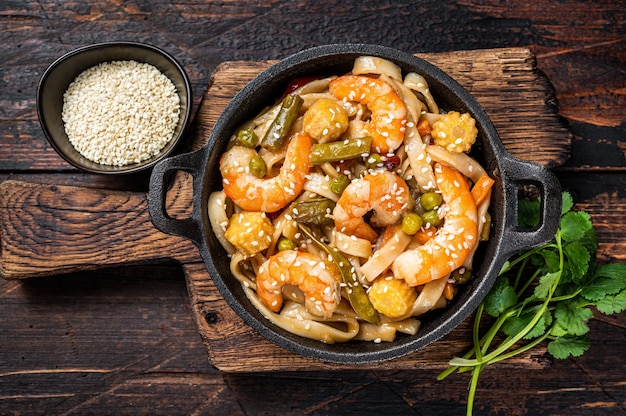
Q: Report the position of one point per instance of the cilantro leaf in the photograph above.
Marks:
(560, 281)
(615, 271)
(529, 213)
(602, 287)
(517, 324)
(578, 259)
(551, 259)
(546, 282)
(612, 304)
(607, 279)
(572, 317)
(565, 346)
(501, 297)
(574, 225)
(567, 203)
(557, 330)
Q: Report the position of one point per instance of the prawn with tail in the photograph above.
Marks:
(266, 194)
(454, 241)
(318, 281)
(383, 192)
(388, 121)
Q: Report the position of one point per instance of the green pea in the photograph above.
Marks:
(432, 218)
(430, 200)
(258, 167)
(338, 184)
(462, 275)
(373, 161)
(411, 223)
(285, 243)
(247, 138)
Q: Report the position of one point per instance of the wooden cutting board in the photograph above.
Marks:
(59, 229)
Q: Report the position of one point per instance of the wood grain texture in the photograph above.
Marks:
(49, 229)
(124, 341)
(516, 96)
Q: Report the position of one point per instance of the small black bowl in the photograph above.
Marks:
(60, 74)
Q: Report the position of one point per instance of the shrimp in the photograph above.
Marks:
(388, 119)
(318, 281)
(384, 192)
(454, 241)
(268, 195)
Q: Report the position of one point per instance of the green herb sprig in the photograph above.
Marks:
(545, 294)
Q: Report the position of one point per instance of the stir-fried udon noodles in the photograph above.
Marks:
(351, 207)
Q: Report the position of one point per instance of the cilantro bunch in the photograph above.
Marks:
(548, 293)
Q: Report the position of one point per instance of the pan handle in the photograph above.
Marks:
(162, 173)
(517, 173)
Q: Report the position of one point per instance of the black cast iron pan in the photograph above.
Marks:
(509, 173)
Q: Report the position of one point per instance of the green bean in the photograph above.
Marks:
(247, 138)
(279, 129)
(314, 211)
(356, 293)
(411, 223)
(430, 200)
(339, 150)
(257, 166)
(338, 184)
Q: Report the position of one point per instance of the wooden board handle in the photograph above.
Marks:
(48, 229)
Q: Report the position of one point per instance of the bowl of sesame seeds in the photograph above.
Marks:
(114, 108)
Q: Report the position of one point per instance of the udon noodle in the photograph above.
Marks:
(351, 208)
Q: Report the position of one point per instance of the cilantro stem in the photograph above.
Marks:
(472, 389)
(476, 331)
(567, 297)
(528, 282)
(520, 272)
(509, 342)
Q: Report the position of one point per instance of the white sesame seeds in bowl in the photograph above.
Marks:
(114, 108)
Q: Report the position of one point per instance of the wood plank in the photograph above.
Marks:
(51, 229)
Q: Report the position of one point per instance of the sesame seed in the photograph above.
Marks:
(120, 112)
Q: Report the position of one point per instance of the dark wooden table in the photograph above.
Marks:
(123, 341)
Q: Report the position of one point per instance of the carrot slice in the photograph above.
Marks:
(482, 189)
(423, 235)
(423, 128)
(448, 291)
